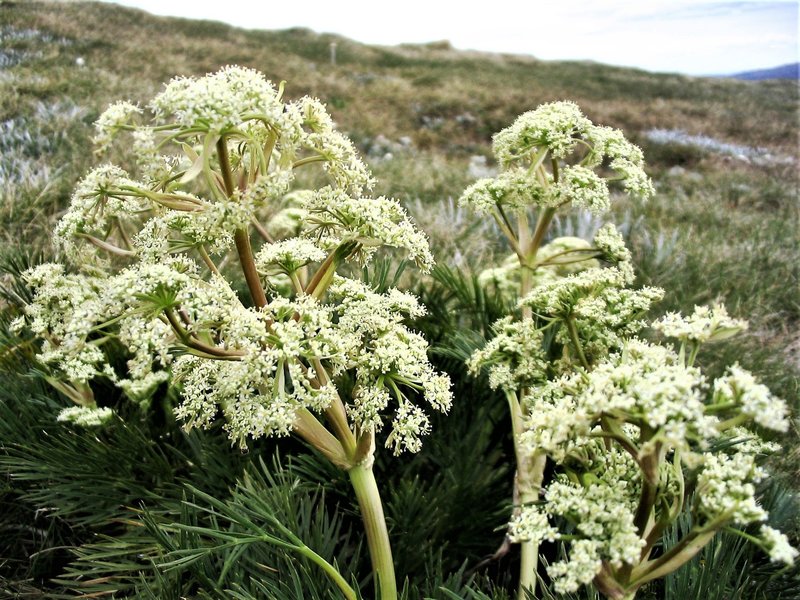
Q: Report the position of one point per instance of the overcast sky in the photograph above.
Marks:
(687, 36)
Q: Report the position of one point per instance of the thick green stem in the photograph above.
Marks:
(528, 480)
(528, 565)
(369, 501)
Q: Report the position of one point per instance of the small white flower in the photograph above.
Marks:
(514, 189)
(612, 244)
(755, 399)
(726, 488)
(706, 323)
(408, 426)
(554, 126)
(85, 416)
(778, 546)
(117, 115)
(582, 187)
(219, 101)
(335, 216)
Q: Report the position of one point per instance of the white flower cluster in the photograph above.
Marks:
(387, 356)
(514, 188)
(260, 394)
(561, 130)
(84, 416)
(726, 490)
(643, 385)
(219, 101)
(117, 115)
(601, 511)
(707, 323)
(514, 356)
(342, 162)
(334, 217)
(624, 157)
(63, 315)
(611, 243)
(287, 256)
(148, 341)
(778, 546)
(555, 126)
(104, 195)
(753, 399)
(584, 188)
(598, 303)
(560, 297)
(555, 422)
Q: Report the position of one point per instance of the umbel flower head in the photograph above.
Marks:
(215, 158)
(585, 159)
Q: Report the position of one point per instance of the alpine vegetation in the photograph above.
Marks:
(636, 434)
(152, 257)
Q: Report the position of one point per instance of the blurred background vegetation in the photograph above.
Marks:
(131, 511)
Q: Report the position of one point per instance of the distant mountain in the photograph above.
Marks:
(790, 71)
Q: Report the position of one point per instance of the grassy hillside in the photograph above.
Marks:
(723, 154)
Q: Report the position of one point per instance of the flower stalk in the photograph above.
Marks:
(369, 501)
